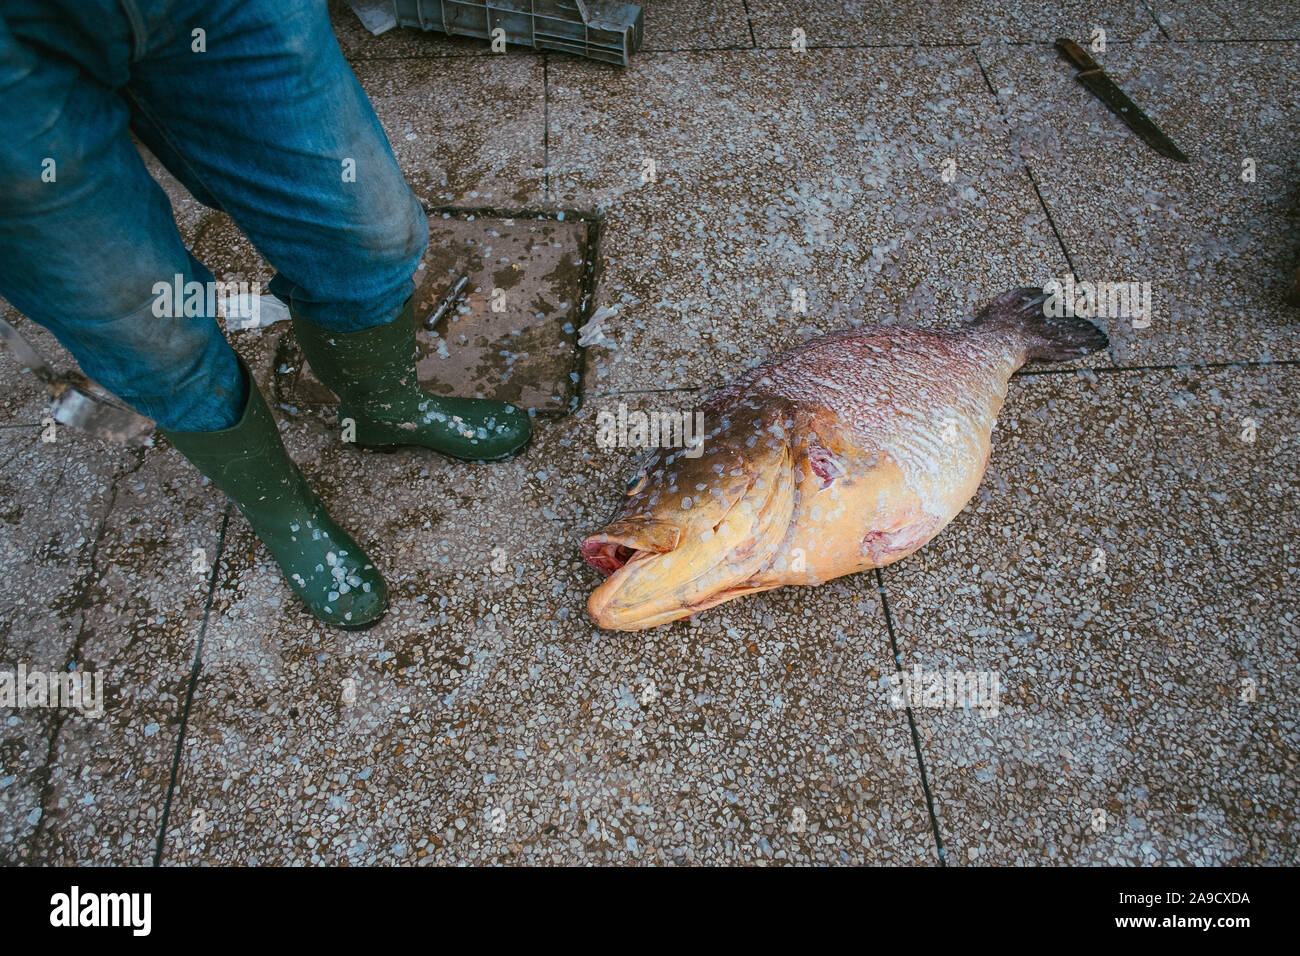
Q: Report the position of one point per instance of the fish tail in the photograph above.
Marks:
(1028, 313)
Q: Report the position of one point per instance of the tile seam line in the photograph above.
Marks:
(749, 21)
(911, 722)
(195, 666)
(977, 44)
(1033, 181)
(647, 391)
(546, 130)
(46, 792)
(1024, 163)
(1172, 367)
(94, 576)
(1156, 19)
(894, 45)
(1027, 372)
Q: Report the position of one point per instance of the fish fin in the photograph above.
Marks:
(823, 461)
(1046, 337)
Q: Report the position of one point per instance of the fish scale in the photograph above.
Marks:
(917, 377)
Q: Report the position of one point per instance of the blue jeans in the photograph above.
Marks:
(258, 115)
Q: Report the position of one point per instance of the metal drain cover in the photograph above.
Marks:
(513, 336)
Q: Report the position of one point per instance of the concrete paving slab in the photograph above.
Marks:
(101, 538)
(515, 335)
(144, 597)
(37, 548)
(228, 254)
(1228, 20)
(695, 25)
(53, 503)
(24, 399)
(775, 173)
(1218, 252)
(466, 131)
(114, 548)
(485, 720)
(1125, 572)
(827, 23)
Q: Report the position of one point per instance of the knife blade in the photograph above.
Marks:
(77, 401)
(1095, 80)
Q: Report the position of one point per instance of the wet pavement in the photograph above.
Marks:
(1121, 588)
(498, 305)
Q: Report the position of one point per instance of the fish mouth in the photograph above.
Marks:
(611, 548)
(658, 572)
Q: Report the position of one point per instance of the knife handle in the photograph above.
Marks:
(1076, 54)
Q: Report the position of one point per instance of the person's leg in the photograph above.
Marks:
(86, 235)
(268, 120)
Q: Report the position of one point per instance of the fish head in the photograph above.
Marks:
(697, 523)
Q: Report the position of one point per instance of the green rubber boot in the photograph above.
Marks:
(373, 374)
(320, 561)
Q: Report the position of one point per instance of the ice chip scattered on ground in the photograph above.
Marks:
(593, 332)
(248, 311)
(377, 16)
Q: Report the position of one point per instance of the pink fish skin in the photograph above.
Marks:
(845, 453)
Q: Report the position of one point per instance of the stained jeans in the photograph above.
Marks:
(250, 104)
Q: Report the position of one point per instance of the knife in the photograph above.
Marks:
(77, 401)
(1104, 88)
(454, 295)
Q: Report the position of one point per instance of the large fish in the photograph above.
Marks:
(845, 453)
